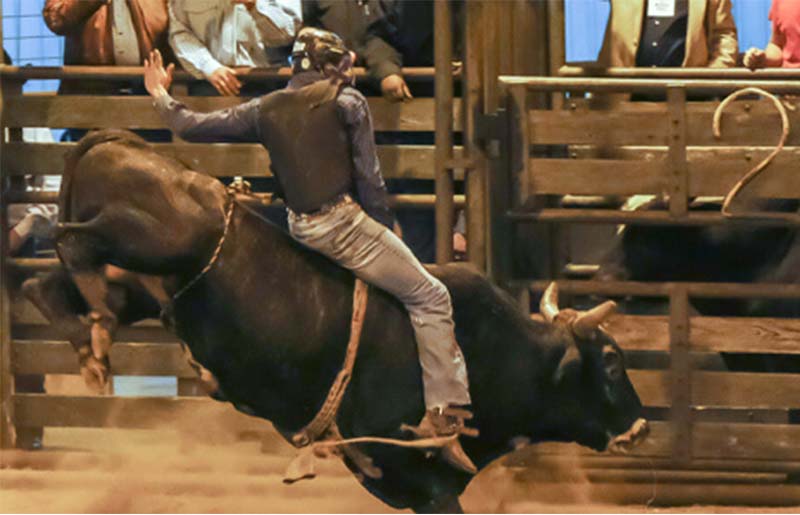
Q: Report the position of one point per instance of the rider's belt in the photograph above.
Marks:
(327, 207)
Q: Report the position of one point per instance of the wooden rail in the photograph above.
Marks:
(623, 148)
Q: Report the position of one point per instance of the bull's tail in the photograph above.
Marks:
(72, 158)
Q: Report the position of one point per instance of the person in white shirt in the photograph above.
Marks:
(211, 38)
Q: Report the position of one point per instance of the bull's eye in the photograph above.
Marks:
(612, 361)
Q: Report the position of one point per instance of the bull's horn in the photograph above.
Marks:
(590, 320)
(548, 306)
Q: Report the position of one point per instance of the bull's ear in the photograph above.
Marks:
(568, 366)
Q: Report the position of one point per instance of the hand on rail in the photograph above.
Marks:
(395, 88)
(157, 79)
(755, 58)
(225, 81)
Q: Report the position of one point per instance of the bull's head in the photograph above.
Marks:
(597, 405)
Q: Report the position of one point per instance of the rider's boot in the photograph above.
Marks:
(448, 422)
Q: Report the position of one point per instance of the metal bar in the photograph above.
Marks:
(607, 85)
(135, 72)
(31, 197)
(32, 264)
(681, 374)
(656, 289)
(443, 48)
(677, 164)
(609, 216)
(423, 201)
(407, 201)
(682, 73)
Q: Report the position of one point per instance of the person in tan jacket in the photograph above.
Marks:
(664, 33)
(107, 33)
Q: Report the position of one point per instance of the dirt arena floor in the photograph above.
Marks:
(203, 465)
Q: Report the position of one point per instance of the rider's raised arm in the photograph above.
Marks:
(232, 124)
(370, 186)
(237, 123)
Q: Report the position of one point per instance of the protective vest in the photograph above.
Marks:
(308, 145)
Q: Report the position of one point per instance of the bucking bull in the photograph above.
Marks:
(271, 321)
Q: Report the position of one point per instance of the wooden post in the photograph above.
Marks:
(444, 132)
(557, 44)
(681, 374)
(7, 433)
(678, 166)
(472, 97)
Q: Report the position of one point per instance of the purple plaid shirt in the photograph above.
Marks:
(240, 124)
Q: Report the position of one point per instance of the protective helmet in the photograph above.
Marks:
(315, 48)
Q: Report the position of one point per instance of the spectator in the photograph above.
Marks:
(106, 33)
(350, 19)
(783, 49)
(670, 33)
(30, 224)
(406, 26)
(212, 37)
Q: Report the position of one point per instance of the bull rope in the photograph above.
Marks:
(217, 250)
(321, 436)
(755, 171)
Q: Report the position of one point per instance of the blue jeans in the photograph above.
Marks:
(347, 235)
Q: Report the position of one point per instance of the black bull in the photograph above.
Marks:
(271, 321)
(717, 253)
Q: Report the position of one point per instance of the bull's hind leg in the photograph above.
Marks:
(58, 298)
(83, 255)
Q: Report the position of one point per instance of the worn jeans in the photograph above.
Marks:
(347, 235)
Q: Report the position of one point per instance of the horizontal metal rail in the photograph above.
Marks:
(663, 289)
(630, 85)
(403, 201)
(135, 72)
(609, 216)
(681, 73)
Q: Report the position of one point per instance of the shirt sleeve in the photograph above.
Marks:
(277, 21)
(66, 16)
(192, 53)
(370, 187)
(234, 124)
(381, 58)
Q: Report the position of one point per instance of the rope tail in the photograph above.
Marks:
(755, 171)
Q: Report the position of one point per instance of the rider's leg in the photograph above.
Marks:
(356, 241)
(376, 255)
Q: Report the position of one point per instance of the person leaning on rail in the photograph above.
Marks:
(108, 33)
(670, 33)
(783, 49)
(211, 38)
(318, 131)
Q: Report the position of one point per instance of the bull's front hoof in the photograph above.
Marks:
(95, 374)
(633, 437)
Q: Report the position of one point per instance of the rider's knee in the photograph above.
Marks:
(439, 296)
